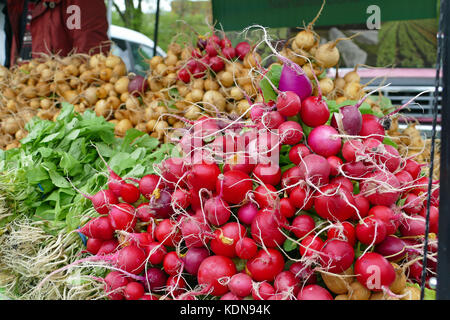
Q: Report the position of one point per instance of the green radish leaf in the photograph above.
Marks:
(401, 202)
(273, 75)
(289, 245)
(389, 141)
(58, 180)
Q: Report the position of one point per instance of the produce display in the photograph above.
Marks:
(215, 177)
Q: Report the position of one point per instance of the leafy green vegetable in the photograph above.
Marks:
(289, 245)
(273, 75)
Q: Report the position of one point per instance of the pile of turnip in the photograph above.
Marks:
(343, 217)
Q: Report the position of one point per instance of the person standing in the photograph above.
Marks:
(57, 27)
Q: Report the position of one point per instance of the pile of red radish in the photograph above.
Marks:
(344, 219)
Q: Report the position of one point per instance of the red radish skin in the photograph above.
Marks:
(290, 132)
(286, 282)
(134, 291)
(193, 258)
(303, 273)
(203, 175)
(131, 259)
(195, 231)
(160, 204)
(265, 229)
(241, 284)
(155, 253)
(167, 233)
(265, 265)
(381, 188)
(172, 170)
(226, 237)
(214, 268)
(336, 255)
(181, 199)
(434, 218)
(392, 248)
(297, 152)
(294, 79)
(315, 169)
(288, 104)
(343, 231)
(267, 173)
(234, 186)
(263, 291)
(302, 225)
(344, 182)
(371, 127)
(413, 204)
(287, 209)
(122, 217)
(335, 163)
(412, 226)
(103, 200)
(371, 230)
(355, 169)
(413, 168)
(217, 211)
(374, 271)
(115, 283)
(291, 178)
(311, 245)
(391, 219)
(351, 149)
(230, 296)
(242, 49)
(271, 120)
(246, 248)
(266, 196)
(155, 279)
(247, 212)
(314, 111)
(404, 178)
(148, 184)
(99, 228)
(93, 245)
(363, 206)
(314, 292)
(115, 183)
(324, 140)
(335, 203)
(108, 247)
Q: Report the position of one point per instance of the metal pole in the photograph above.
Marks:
(155, 37)
(443, 267)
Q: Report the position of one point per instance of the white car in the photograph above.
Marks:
(134, 48)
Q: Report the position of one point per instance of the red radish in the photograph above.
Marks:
(155, 252)
(193, 258)
(115, 183)
(242, 49)
(93, 245)
(195, 231)
(294, 79)
(226, 237)
(372, 127)
(371, 230)
(211, 49)
(107, 247)
(99, 228)
(172, 170)
(183, 75)
(348, 120)
(434, 218)
(287, 209)
(217, 211)
(286, 282)
(262, 291)
(324, 140)
(297, 152)
(392, 248)
(291, 178)
(265, 229)
(216, 64)
(155, 279)
(181, 198)
(335, 163)
(389, 157)
(115, 283)
(386, 214)
(122, 217)
(302, 225)
(412, 226)
(301, 198)
(102, 200)
(374, 271)
(404, 178)
(351, 149)
(131, 259)
(290, 132)
(265, 265)
(310, 245)
(336, 255)
(213, 269)
(343, 231)
(175, 285)
(315, 169)
(239, 162)
(139, 239)
(148, 184)
(314, 111)
(266, 196)
(380, 188)
(247, 212)
(144, 212)
(303, 273)
(230, 296)
(344, 182)
(234, 186)
(246, 248)
(203, 175)
(271, 120)
(314, 292)
(137, 85)
(288, 103)
(363, 205)
(268, 173)
(413, 204)
(172, 264)
(167, 233)
(229, 53)
(256, 113)
(355, 169)
(335, 203)
(413, 168)
(241, 284)
(264, 148)
(134, 291)
(160, 203)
